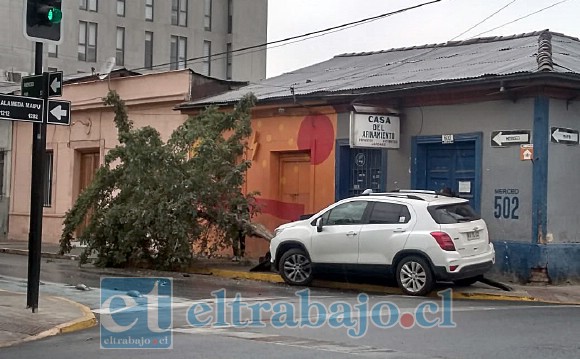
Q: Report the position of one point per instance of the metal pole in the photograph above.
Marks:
(36, 193)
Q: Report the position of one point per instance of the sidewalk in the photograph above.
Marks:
(49, 250)
(54, 316)
(223, 267)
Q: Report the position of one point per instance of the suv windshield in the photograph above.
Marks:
(453, 213)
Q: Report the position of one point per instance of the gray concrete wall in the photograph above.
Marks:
(501, 167)
(5, 146)
(250, 28)
(564, 176)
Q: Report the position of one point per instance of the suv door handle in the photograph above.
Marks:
(399, 230)
(351, 233)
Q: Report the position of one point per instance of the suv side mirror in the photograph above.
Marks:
(319, 224)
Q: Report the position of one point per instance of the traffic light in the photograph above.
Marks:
(42, 20)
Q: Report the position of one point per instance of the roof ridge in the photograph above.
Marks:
(544, 56)
(460, 43)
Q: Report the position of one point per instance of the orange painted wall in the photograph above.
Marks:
(314, 133)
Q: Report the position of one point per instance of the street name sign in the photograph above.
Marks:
(509, 137)
(565, 136)
(31, 86)
(58, 112)
(20, 108)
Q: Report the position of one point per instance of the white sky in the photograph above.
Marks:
(435, 23)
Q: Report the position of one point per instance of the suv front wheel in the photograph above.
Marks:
(295, 267)
(414, 276)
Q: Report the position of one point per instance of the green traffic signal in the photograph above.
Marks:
(54, 15)
(43, 20)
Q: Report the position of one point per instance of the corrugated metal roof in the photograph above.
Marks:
(458, 60)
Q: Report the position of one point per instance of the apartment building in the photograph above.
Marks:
(202, 35)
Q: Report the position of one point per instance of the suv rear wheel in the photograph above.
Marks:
(414, 276)
(295, 267)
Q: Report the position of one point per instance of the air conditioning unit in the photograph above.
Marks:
(15, 76)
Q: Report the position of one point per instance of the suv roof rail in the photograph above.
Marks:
(393, 194)
(414, 191)
(369, 191)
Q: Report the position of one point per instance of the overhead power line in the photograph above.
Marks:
(288, 39)
(422, 54)
(520, 18)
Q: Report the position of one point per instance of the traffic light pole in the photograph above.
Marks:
(36, 193)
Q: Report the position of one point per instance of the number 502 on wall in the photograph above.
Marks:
(506, 207)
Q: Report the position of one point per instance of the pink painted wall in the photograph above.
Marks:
(150, 100)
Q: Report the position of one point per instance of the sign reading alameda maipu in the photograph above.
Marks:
(20, 108)
(374, 130)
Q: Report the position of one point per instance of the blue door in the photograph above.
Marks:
(449, 165)
(358, 169)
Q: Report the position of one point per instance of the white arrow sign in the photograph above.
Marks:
(55, 85)
(564, 136)
(502, 138)
(58, 112)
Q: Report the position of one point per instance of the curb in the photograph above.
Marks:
(24, 252)
(378, 289)
(88, 320)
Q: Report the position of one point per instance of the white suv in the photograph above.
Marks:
(419, 236)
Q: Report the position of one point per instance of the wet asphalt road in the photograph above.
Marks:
(483, 329)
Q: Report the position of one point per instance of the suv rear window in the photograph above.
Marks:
(453, 213)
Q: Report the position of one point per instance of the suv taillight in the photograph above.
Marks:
(443, 240)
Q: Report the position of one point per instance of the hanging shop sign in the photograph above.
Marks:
(374, 130)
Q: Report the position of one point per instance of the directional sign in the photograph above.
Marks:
(20, 108)
(31, 86)
(58, 112)
(55, 84)
(511, 137)
(566, 136)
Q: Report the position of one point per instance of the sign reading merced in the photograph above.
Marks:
(374, 130)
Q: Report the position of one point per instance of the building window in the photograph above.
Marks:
(48, 160)
(149, 10)
(179, 12)
(52, 50)
(90, 5)
(87, 41)
(229, 61)
(207, 15)
(178, 52)
(148, 50)
(120, 54)
(207, 58)
(121, 8)
(230, 16)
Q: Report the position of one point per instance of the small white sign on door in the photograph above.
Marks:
(464, 186)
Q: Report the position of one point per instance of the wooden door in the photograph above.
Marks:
(295, 180)
(90, 162)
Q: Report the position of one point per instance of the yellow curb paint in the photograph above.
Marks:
(88, 319)
(275, 278)
(263, 277)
